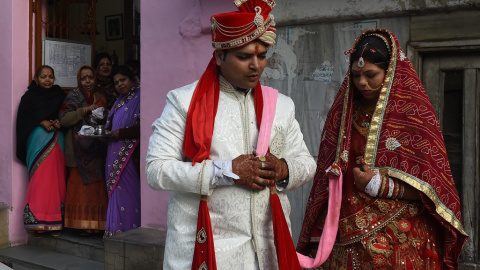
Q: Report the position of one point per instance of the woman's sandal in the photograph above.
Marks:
(38, 233)
(56, 233)
(86, 233)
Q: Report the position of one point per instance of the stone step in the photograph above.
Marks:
(140, 248)
(38, 258)
(71, 243)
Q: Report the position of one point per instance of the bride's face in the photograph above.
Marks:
(368, 79)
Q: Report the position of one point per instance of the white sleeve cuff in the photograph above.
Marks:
(222, 173)
(373, 186)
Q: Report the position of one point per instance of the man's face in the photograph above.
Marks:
(242, 67)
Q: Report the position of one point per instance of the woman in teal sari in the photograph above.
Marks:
(40, 146)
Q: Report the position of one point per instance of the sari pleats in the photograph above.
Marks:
(85, 212)
(124, 202)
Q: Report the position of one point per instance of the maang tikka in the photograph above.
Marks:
(361, 62)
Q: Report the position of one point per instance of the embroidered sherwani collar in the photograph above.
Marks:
(226, 86)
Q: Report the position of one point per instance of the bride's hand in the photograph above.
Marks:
(362, 176)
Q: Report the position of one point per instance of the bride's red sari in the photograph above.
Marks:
(404, 141)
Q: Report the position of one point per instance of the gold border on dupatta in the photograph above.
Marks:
(441, 209)
(377, 118)
(341, 139)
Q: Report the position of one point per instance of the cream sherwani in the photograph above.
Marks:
(241, 217)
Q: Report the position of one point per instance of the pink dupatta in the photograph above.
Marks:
(285, 249)
(283, 242)
(330, 228)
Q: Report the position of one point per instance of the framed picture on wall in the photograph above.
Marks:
(114, 27)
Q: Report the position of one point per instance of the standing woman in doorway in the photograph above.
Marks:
(103, 67)
(399, 205)
(86, 202)
(123, 155)
(40, 145)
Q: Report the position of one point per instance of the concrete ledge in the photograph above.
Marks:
(140, 248)
(38, 258)
(4, 224)
(70, 242)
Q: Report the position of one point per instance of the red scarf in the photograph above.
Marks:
(404, 139)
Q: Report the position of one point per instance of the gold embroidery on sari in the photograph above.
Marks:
(370, 219)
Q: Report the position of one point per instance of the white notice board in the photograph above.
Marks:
(66, 57)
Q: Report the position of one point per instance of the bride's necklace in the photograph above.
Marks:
(362, 117)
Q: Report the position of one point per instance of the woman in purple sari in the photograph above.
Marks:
(122, 172)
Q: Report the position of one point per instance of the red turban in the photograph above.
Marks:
(229, 30)
(252, 21)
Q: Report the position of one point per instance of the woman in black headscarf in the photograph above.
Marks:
(40, 146)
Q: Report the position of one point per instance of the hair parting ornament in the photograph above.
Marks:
(377, 49)
(361, 62)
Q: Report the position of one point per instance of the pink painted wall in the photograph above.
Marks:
(20, 82)
(175, 50)
(14, 78)
(6, 108)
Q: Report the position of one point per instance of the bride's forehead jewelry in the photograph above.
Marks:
(361, 62)
(347, 54)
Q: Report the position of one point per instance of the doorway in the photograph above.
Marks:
(111, 26)
(452, 82)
